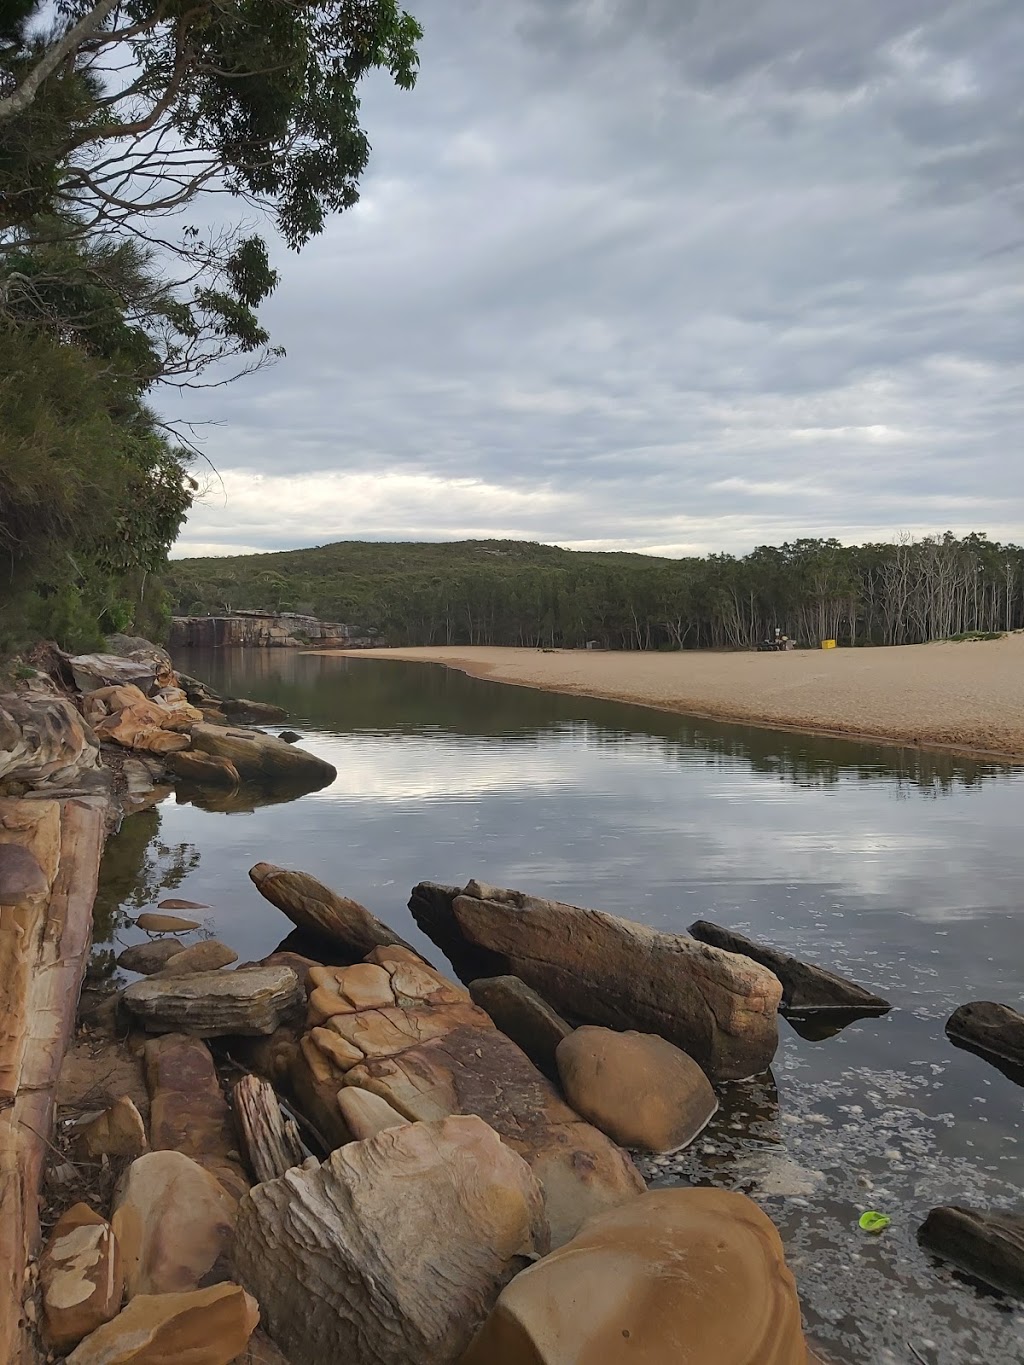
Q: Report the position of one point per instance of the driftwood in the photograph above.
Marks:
(44, 940)
(272, 1143)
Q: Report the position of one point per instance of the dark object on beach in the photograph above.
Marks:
(987, 1246)
(993, 1030)
(806, 989)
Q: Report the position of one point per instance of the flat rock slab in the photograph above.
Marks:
(216, 1004)
(804, 985)
(988, 1027)
(318, 910)
(718, 1007)
(988, 1246)
(395, 1249)
(203, 1327)
(188, 1110)
(523, 1016)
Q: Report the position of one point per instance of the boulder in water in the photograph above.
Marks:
(989, 1246)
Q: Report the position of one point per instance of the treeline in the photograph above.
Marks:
(517, 593)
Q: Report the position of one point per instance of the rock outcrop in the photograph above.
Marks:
(718, 1007)
(677, 1277)
(263, 630)
(80, 1278)
(395, 1249)
(990, 1028)
(805, 987)
(319, 911)
(636, 1087)
(216, 1004)
(44, 742)
(204, 1327)
(263, 758)
(989, 1246)
(524, 1017)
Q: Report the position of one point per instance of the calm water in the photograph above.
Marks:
(902, 870)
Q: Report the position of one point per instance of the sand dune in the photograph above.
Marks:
(967, 696)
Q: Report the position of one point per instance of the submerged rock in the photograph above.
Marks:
(804, 986)
(216, 1004)
(80, 1277)
(154, 923)
(395, 1249)
(990, 1028)
(318, 910)
(524, 1017)
(204, 1327)
(636, 1087)
(989, 1246)
(676, 1277)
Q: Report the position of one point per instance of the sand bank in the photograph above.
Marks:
(966, 696)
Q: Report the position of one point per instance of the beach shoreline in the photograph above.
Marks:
(965, 697)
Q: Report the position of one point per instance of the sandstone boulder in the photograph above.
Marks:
(44, 741)
(207, 956)
(676, 1277)
(320, 911)
(203, 1327)
(718, 1007)
(422, 1045)
(805, 987)
(216, 1004)
(523, 1016)
(80, 1278)
(263, 758)
(94, 671)
(272, 1142)
(203, 769)
(149, 958)
(119, 1131)
(988, 1246)
(154, 923)
(993, 1029)
(365, 1114)
(395, 1249)
(636, 1087)
(173, 1222)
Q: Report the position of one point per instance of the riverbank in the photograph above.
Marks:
(965, 696)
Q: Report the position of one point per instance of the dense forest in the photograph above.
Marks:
(518, 593)
(122, 124)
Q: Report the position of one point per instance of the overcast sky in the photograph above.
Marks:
(666, 275)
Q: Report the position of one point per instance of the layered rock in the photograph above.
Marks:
(319, 911)
(395, 1249)
(988, 1027)
(805, 986)
(44, 741)
(718, 1007)
(676, 1277)
(204, 1327)
(80, 1278)
(216, 1004)
(523, 1016)
(636, 1087)
(397, 1028)
(263, 758)
(987, 1245)
(430, 904)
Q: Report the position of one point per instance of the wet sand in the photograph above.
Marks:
(967, 696)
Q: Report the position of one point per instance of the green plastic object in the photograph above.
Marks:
(874, 1222)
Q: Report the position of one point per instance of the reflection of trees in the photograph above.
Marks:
(350, 695)
(137, 867)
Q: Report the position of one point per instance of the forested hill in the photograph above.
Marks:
(507, 592)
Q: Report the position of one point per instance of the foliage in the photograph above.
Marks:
(517, 593)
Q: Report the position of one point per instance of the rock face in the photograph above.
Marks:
(804, 986)
(173, 1221)
(636, 1087)
(320, 911)
(677, 1277)
(263, 758)
(118, 1131)
(719, 1008)
(44, 741)
(263, 629)
(80, 1278)
(20, 875)
(397, 1028)
(216, 1004)
(395, 1249)
(989, 1246)
(523, 1016)
(997, 1030)
(204, 1327)
(207, 956)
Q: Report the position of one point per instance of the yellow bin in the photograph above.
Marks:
(828, 644)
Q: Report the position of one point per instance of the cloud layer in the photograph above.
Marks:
(655, 274)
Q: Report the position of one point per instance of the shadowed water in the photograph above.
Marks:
(898, 868)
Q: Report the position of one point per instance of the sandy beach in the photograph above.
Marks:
(966, 696)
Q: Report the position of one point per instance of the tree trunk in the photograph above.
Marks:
(272, 1143)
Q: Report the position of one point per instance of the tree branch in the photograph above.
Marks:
(17, 102)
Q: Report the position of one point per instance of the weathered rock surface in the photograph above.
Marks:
(93, 671)
(365, 1114)
(804, 985)
(718, 1007)
(204, 1327)
(80, 1278)
(207, 956)
(988, 1027)
(263, 758)
(430, 905)
(118, 1131)
(188, 1110)
(636, 1087)
(271, 1141)
(173, 1222)
(149, 958)
(395, 1249)
(153, 923)
(407, 1034)
(320, 911)
(216, 1004)
(676, 1277)
(203, 769)
(248, 712)
(523, 1016)
(989, 1246)
(20, 875)
(43, 740)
